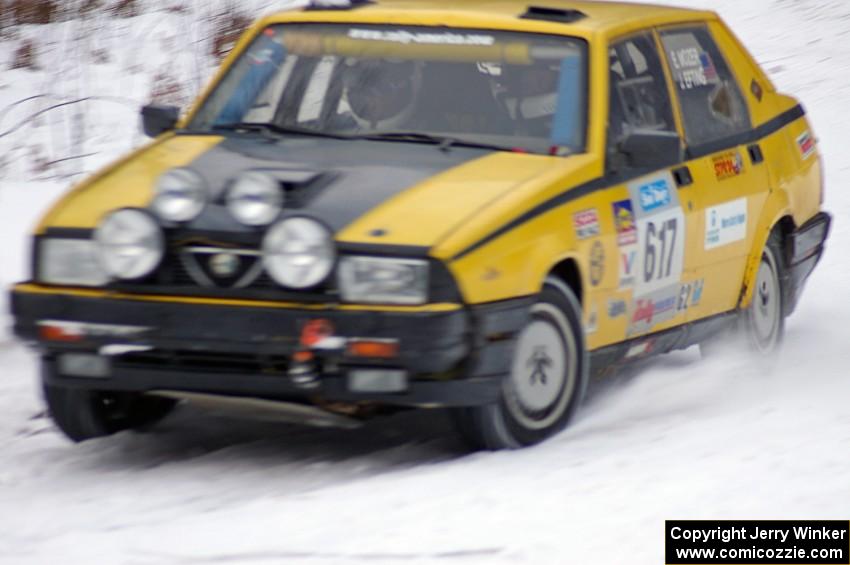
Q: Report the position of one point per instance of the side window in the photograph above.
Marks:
(639, 97)
(712, 105)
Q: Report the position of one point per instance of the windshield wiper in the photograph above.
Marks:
(444, 141)
(265, 127)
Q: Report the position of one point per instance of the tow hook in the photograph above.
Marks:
(304, 370)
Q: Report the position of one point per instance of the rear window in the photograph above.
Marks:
(712, 105)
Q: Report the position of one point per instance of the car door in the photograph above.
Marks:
(730, 180)
(652, 217)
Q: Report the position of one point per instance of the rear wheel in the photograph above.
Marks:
(85, 414)
(547, 379)
(763, 320)
(760, 327)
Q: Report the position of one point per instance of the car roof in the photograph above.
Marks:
(599, 16)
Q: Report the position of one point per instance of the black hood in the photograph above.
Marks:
(334, 181)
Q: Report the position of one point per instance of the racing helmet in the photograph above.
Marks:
(529, 92)
(382, 93)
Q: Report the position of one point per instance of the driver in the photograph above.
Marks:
(530, 94)
(382, 94)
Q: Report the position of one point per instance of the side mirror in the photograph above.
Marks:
(651, 149)
(158, 119)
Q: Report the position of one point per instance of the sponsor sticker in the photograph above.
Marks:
(586, 223)
(690, 295)
(654, 265)
(664, 306)
(655, 194)
(592, 320)
(692, 67)
(708, 68)
(654, 309)
(661, 237)
(685, 58)
(728, 165)
(261, 56)
(696, 293)
(624, 220)
(726, 223)
(433, 38)
(597, 263)
(807, 144)
(640, 349)
(644, 310)
(616, 308)
(628, 260)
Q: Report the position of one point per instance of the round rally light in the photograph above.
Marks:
(181, 195)
(255, 199)
(298, 252)
(129, 244)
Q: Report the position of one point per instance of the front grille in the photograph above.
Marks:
(216, 267)
(188, 270)
(179, 274)
(264, 281)
(175, 276)
(205, 362)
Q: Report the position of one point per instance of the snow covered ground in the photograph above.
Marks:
(683, 439)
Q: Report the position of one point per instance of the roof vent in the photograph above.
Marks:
(553, 14)
(337, 4)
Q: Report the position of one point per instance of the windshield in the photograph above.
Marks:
(506, 89)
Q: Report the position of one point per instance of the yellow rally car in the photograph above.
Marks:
(415, 204)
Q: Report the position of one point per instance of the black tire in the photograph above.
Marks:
(85, 414)
(535, 405)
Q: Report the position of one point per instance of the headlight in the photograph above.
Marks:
(255, 199)
(379, 280)
(130, 244)
(181, 195)
(298, 252)
(69, 261)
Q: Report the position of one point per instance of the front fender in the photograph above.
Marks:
(512, 268)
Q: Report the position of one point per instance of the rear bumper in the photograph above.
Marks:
(450, 357)
(806, 247)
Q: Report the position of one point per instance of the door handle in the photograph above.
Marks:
(683, 177)
(756, 156)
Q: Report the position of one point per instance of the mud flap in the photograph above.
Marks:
(805, 249)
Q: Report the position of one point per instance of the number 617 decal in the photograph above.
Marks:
(661, 234)
(660, 244)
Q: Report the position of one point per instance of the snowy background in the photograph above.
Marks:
(682, 439)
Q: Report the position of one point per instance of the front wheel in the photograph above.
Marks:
(546, 383)
(86, 414)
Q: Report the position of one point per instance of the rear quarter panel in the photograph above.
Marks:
(790, 153)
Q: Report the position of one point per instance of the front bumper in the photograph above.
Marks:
(453, 356)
